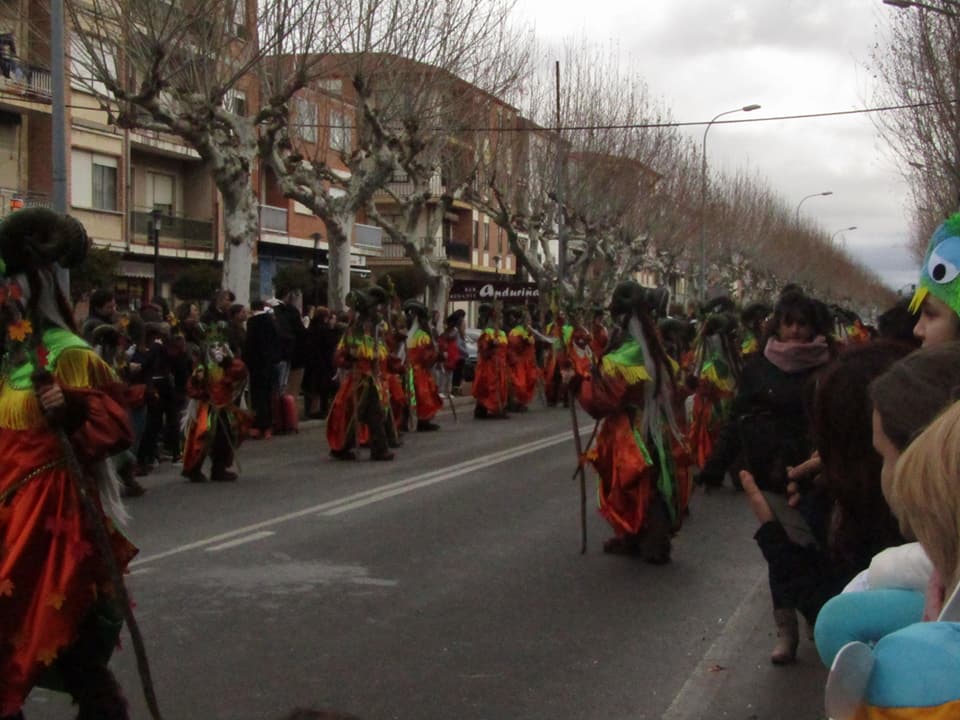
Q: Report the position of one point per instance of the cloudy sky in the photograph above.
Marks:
(792, 57)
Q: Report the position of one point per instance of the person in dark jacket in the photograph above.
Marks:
(322, 338)
(769, 424)
(260, 355)
(292, 340)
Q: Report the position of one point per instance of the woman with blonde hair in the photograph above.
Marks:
(925, 495)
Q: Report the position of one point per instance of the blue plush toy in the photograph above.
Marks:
(911, 674)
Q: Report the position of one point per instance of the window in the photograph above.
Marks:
(305, 119)
(85, 69)
(235, 101)
(94, 180)
(240, 18)
(476, 234)
(486, 237)
(160, 192)
(341, 135)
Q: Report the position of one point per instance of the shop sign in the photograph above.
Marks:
(467, 290)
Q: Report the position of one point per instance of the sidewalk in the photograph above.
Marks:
(735, 679)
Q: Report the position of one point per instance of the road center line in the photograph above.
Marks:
(241, 541)
(458, 469)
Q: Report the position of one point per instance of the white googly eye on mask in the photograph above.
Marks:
(941, 270)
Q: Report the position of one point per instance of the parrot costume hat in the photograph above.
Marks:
(941, 266)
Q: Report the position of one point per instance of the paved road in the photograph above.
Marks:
(447, 584)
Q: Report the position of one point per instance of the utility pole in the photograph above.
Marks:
(58, 122)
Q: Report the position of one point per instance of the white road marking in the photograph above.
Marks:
(421, 480)
(241, 541)
(141, 571)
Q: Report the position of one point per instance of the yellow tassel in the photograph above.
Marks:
(631, 374)
(81, 368)
(918, 297)
(19, 409)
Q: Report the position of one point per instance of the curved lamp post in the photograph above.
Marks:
(924, 6)
(802, 201)
(846, 229)
(703, 197)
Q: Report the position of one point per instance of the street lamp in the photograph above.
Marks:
(846, 229)
(819, 194)
(155, 218)
(903, 4)
(703, 197)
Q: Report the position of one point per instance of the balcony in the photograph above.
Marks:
(402, 186)
(367, 237)
(24, 78)
(11, 200)
(458, 252)
(176, 231)
(273, 219)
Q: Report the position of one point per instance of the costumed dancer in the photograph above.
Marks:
(453, 355)
(59, 614)
(490, 378)
(521, 361)
(715, 374)
(422, 355)
(556, 358)
(393, 372)
(214, 425)
(579, 347)
(639, 453)
(362, 402)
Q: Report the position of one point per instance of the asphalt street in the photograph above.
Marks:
(447, 584)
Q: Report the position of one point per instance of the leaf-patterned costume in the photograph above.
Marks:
(634, 470)
(52, 578)
(422, 390)
(215, 425)
(362, 398)
(711, 402)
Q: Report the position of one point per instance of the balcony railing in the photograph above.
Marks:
(273, 219)
(176, 231)
(402, 185)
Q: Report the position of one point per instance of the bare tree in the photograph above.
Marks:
(424, 78)
(195, 69)
(917, 66)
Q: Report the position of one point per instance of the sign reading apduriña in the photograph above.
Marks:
(480, 290)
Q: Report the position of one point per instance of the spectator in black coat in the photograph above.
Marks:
(260, 355)
(293, 341)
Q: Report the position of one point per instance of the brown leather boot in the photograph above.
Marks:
(788, 636)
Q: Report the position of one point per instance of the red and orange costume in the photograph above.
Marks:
(52, 579)
(522, 363)
(422, 355)
(490, 379)
(214, 424)
(393, 372)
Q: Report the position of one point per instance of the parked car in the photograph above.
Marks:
(471, 335)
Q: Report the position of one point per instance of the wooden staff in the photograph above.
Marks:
(86, 491)
(583, 477)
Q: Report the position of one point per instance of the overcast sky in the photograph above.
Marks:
(792, 57)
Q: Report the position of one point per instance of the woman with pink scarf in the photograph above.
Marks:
(769, 426)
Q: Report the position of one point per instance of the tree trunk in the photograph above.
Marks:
(339, 232)
(438, 290)
(240, 229)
